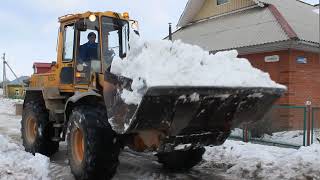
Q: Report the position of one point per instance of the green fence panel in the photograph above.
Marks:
(283, 126)
(315, 125)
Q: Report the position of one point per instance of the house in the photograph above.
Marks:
(40, 68)
(15, 88)
(280, 37)
(15, 91)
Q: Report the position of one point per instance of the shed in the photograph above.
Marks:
(40, 68)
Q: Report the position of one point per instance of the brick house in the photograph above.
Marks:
(277, 36)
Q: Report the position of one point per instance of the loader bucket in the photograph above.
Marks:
(180, 111)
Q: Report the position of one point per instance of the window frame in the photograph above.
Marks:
(72, 24)
(120, 39)
(226, 1)
(15, 92)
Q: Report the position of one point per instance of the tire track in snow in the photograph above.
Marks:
(139, 166)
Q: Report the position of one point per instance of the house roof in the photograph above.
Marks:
(300, 16)
(42, 65)
(19, 81)
(288, 19)
(244, 28)
(191, 9)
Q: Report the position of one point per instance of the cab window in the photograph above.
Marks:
(68, 43)
(114, 40)
(89, 46)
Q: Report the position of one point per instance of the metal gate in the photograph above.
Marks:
(287, 126)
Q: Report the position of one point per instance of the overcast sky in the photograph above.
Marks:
(29, 27)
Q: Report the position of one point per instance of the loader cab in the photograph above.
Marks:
(90, 44)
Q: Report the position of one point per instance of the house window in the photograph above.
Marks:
(16, 93)
(219, 2)
(301, 60)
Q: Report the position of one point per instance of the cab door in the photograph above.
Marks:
(88, 58)
(68, 55)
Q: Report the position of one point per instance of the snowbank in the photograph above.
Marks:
(246, 160)
(7, 105)
(163, 63)
(16, 164)
(9, 122)
(292, 137)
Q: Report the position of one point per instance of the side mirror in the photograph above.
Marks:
(81, 25)
(136, 32)
(135, 27)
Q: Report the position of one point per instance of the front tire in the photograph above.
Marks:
(180, 160)
(36, 130)
(93, 149)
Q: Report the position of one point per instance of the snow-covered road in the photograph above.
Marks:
(16, 164)
(140, 166)
(233, 160)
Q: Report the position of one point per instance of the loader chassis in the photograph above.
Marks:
(79, 101)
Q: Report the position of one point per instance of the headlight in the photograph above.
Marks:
(92, 18)
(125, 15)
(79, 67)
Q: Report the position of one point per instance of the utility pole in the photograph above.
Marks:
(4, 84)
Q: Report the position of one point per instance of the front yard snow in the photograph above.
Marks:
(253, 161)
(15, 163)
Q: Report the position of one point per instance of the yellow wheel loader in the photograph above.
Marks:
(78, 101)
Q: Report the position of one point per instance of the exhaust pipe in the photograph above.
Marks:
(170, 32)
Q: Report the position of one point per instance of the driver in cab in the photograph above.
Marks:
(89, 50)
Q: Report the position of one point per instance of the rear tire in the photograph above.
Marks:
(96, 157)
(180, 160)
(36, 130)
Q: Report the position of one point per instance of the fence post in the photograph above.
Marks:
(304, 125)
(245, 134)
(312, 124)
(308, 105)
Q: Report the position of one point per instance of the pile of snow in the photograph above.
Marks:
(291, 137)
(16, 164)
(237, 132)
(166, 63)
(245, 160)
(9, 122)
